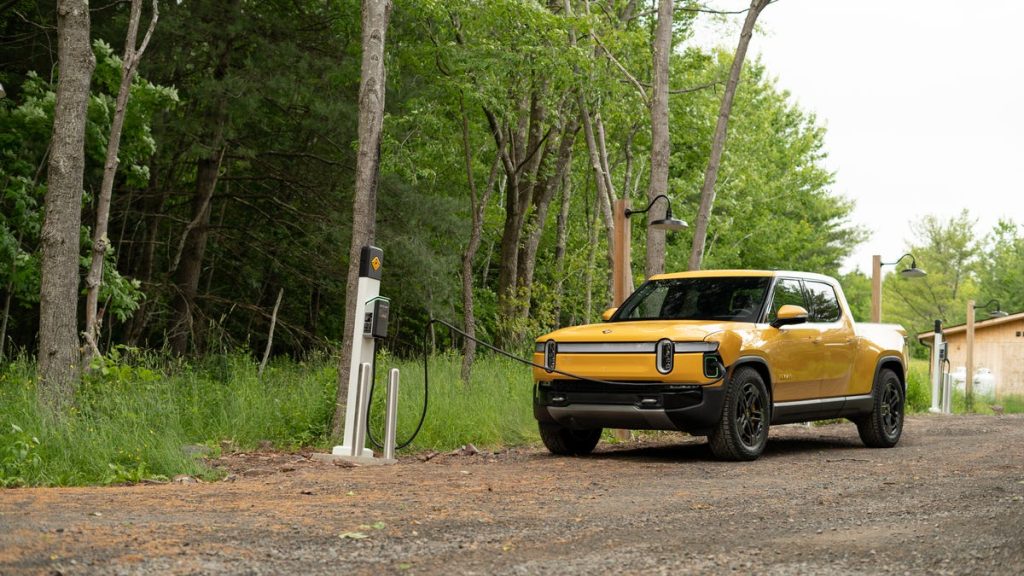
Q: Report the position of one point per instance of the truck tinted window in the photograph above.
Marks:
(737, 299)
(787, 291)
(824, 307)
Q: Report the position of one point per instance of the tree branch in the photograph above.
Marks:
(622, 68)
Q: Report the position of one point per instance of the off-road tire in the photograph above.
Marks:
(742, 431)
(884, 426)
(568, 442)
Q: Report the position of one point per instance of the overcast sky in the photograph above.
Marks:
(923, 102)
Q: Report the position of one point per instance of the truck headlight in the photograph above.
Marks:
(665, 355)
(550, 353)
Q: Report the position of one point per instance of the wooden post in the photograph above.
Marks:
(876, 288)
(969, 383)
(620, 270)
(621, 253)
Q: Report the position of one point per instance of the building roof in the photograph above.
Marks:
(927, 337)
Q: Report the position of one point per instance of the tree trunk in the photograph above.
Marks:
(561, 239)
(375, 15)
(603, 205)
(270, 334)
(59, 238)
(522, 169)
(100, 241)
(707, 191)
(541, 202)
(477, 206)
(660, 148)
(189, 264)
(153, 209)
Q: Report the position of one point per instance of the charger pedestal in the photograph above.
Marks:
(371, 312)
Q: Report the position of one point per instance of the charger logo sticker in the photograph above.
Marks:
(375, 263)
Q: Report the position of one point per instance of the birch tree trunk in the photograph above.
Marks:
(100, 241)
(375, 16)
(660, 151)
(59, 356)
(707, 192)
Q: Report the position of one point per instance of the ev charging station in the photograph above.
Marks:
(371, 324)
(941, 383)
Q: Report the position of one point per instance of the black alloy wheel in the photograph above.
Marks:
(742, 432)
(883, 427)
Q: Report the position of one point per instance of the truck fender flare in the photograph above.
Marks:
(762, 363)
(882, 362)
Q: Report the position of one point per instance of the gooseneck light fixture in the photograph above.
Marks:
(993, 309)
(876, 280)
(913, 271)
(666, 223)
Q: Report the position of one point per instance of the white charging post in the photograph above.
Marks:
(370, 324)
(937, 357)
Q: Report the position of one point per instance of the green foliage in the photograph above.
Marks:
(136, 412)
(919, 388)
(1001, 267)
(25, 126)
(857, 289)
(494, 409)
(19, 456)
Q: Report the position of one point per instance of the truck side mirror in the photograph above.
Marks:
(790, 314)
(607, 314)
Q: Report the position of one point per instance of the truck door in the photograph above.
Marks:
(834, 341)
(790, 349)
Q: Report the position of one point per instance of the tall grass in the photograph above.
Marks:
(493, 409)
(135, 415)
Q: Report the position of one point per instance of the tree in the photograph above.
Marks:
(949, 251)
(58, 297)
(707, 191)
(375, 15)
(1001, 269)
(100, 241)
(660, 144)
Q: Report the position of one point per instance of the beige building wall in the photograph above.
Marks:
(998, 347)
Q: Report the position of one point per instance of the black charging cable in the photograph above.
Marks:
(722, 368)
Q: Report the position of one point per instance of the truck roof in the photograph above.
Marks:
(741, 273)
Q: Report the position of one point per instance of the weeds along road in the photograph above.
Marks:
(948, 500)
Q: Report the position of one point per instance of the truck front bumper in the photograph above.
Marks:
(579, 404)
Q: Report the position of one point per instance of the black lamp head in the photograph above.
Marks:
(913, 271)
(993, 308)
(668, 222)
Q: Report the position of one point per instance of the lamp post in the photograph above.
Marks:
(876, 280)
(994, 311)
(621, 250)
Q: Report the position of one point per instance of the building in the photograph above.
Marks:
(998, 346)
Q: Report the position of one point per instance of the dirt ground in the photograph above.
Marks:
(948, 500)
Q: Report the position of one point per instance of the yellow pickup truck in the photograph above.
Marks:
(722, 354)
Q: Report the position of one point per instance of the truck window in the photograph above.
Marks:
(787, 291)
(824, 307)
(735, 299)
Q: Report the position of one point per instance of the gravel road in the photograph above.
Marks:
(948, 500)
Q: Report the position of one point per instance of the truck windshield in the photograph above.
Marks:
(735, 299)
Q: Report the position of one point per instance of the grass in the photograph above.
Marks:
(136, 415)
(919, 395)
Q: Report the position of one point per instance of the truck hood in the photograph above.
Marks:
(639, 331)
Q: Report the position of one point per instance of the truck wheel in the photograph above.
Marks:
(742, 432)
(883, 427)
(568, 442)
